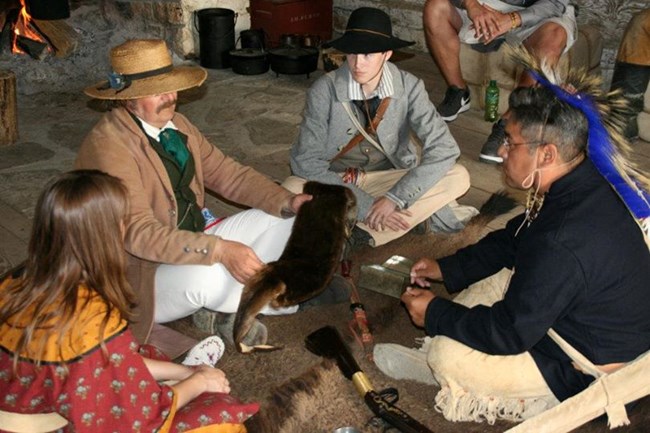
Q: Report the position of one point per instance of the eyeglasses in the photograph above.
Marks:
(508, 145)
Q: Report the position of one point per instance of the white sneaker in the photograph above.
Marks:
(208, 351)
(401, 362)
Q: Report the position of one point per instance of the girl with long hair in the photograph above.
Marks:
(65, 346)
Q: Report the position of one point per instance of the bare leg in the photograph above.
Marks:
(441, 26)
(547, 42)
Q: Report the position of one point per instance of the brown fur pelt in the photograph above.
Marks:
(319, 400)
(309, 259)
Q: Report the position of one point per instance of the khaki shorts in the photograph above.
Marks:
(519, 35)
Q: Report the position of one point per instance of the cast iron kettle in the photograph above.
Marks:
(294, 60)
(297, 55)
(249, 61)
(252, 58)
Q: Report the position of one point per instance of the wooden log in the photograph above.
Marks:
(6, 6)
(60, 34)
(9, 4)
(8, 110)
(8, 13)
(36, 49)
(7, 34)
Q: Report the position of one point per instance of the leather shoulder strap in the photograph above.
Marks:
(381, 110)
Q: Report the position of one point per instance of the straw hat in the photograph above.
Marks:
(143, 68)
(369, 30)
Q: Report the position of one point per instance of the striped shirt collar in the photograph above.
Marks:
(383, 90)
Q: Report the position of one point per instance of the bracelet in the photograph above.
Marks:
(513, 20)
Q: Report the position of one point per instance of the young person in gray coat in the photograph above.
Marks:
(398, 183)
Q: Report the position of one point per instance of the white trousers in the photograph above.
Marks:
(184, 289)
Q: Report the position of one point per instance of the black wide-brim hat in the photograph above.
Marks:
(369, 30)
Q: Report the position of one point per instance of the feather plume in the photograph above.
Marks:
(607, 147)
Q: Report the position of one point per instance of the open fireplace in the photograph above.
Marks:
(73, 51)
(37, 28)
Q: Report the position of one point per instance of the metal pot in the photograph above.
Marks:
(253, 38)
(249, 61)
(290, 40)
(48, 9)
(311, 41)
(294, 61)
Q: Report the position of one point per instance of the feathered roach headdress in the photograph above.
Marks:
(607, 146)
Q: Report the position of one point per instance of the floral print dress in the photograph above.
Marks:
(105, 391)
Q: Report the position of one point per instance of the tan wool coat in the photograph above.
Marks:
(118, 146)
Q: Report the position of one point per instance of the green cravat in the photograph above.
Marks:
(173, 145)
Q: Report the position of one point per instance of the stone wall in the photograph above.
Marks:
(172, 20)
(102, 24)
(190, 34)
(406, 16)
(610, 16)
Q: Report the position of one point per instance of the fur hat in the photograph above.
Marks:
(369, 30)
(144, 67)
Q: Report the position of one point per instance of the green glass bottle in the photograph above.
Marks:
(492, 102)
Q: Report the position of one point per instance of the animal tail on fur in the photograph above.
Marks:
(498, 204)
(258, 293)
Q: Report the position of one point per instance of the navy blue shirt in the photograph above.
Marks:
(582, 267)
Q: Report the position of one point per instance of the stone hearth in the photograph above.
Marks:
(101, 24)
(106, 23)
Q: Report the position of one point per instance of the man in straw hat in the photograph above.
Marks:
(182, 258)
(560, 295)
(546, 27)
(356, 131)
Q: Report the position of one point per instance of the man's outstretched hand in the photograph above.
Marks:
(416, 302)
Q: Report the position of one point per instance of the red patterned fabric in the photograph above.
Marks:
(108, 394)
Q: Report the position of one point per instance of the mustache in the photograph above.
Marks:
(169, 104)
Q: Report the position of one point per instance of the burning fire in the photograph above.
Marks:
(24, 27)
